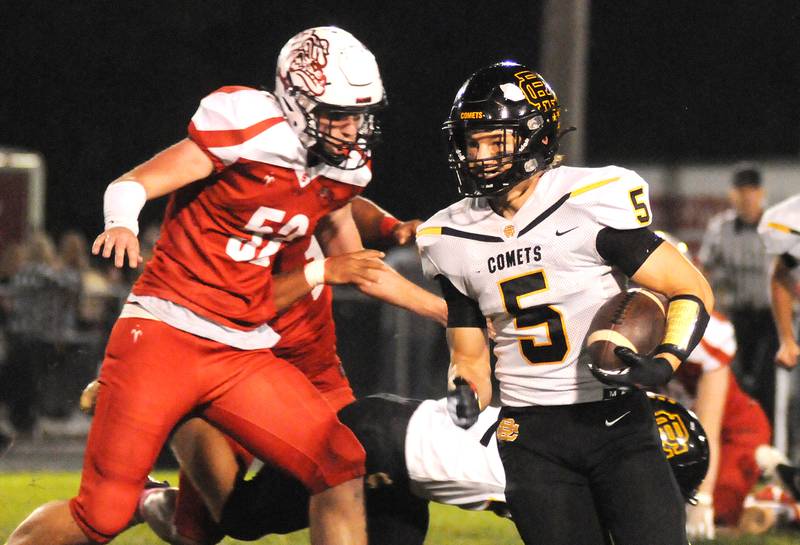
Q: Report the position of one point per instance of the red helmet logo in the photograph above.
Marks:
(306, 63)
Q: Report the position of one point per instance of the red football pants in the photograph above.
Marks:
(738, 472)
(323, 367)
(153, 375)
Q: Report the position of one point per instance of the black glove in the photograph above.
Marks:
(462, 403)
(645, 372)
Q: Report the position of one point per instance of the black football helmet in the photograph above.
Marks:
(684, 442)
(511, 97)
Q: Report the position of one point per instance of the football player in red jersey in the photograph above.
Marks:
(738, 429)
(258, 171)
(308, 341)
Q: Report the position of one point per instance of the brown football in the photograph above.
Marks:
(633, 318)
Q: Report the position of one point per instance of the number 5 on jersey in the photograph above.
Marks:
(513, 291)
(640, 209)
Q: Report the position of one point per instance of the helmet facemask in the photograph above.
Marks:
(348, 152)
(524, 147)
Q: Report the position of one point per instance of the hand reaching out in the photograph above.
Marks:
(121, 242)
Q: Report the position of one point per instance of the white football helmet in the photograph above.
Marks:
(326, 70)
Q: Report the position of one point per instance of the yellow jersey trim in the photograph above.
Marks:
(595, 185)
(429, 231)
(781, 227)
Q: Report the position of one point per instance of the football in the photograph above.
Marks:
(634, 318)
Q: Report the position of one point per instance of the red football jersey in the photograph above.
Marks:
(716, 349)
(220, 236)
(307, 329)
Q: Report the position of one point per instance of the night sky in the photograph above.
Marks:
(98, 87)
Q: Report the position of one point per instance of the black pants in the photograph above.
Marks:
(22, 377)
(273, 502)
(757, 343)
(577, 473)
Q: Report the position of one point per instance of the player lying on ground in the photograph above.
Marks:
(415, 454)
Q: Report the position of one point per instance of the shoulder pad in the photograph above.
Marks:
(240, 122)
(617, 197)
(440, 254)
(234, 108)
(780, 228)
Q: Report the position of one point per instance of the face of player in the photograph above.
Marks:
(341, 131)
(748, 201)
(488, 147)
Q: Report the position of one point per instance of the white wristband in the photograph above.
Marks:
(315, 272)
(122, 203)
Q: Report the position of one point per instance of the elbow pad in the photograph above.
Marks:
(687, 319)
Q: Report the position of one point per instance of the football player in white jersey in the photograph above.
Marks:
(415, 454)
(780, 230)
(537, 249)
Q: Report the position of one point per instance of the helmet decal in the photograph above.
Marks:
(536, 90)
(307, 63)
(674, 435)
(683, 441)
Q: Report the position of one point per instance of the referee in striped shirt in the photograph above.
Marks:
(736, 262)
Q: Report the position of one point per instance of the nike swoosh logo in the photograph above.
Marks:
(610, 423)
(559, 233)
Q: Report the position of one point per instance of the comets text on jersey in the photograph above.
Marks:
(514, 258)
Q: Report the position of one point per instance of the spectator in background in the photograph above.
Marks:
(41, 314)
(148, 241)
(11, 260)
(734, 258)
(82, 342)
(14, 256)
(96, 287)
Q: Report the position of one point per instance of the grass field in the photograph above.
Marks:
(22, 492)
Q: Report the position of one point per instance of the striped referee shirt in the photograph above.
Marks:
(44, 302)
(735, 259)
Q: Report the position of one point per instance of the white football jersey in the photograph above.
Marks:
(448, 464)
(538, 276)
(780, 228)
